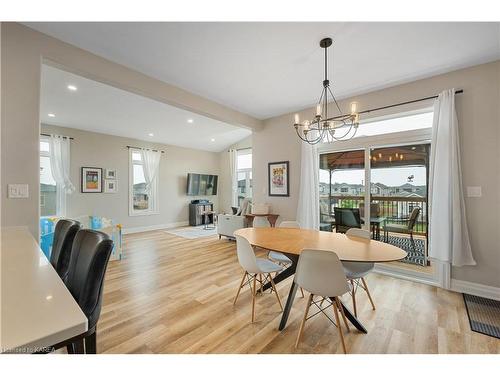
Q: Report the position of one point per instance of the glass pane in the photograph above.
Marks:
(242, 186)
(136, 156)
(140, 196)
(47, 188)
(44, 146)
(341, 190)
(250, 184)
(244, 161)
(413, 122)
(399, 198)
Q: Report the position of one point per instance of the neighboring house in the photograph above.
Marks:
(47, 200)
(141, 198)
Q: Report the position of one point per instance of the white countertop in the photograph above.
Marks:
(36, 308)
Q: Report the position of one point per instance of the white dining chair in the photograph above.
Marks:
(281, 258)
(356, 271)
(254, 269)
(320, 273)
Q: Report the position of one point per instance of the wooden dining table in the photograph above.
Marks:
(292, 241)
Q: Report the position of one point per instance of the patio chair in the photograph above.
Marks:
(346, 218)
(404, 226)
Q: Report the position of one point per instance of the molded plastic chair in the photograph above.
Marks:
(356, 271)
(254, 268)
(278, 257)
(281, 258)
(320, 273)
(64, 235)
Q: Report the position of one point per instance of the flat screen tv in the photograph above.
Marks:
(202, 184)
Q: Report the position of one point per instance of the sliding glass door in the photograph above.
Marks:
(398, 198)
(398, 178)
(342, 186)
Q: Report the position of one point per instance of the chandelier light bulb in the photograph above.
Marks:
(318, 110)
(306, 125)
(297, 118)
(354, 108)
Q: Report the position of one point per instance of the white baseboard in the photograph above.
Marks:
(154, 227)
(475, 289)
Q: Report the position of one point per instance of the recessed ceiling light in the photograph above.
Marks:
(72, 88)
(151, 134)
(51, 115)
(190, 120)
(213, 139)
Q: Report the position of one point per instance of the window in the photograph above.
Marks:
(48, 188)
(143, 201)
(244, 173)
(404, 122)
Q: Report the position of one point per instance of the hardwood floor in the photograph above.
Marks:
(173, 295)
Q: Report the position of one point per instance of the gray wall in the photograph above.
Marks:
(479, 117)
(90, 149)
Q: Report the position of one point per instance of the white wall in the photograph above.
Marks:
(479, 121)
(106, 151)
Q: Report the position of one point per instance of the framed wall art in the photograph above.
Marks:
(110, 174)
(110, 186)
(91, 180)
(279, 179)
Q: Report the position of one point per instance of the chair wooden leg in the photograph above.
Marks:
(276, 291)
(353, 294)
(239, 289)
(261, 284)
(368, 292)
(70, 349)
(303, 320)
(302, 292)
(90, 344)
(341, 309)
(254, 292)
(339, 327)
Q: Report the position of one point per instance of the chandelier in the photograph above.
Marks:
(323, 128)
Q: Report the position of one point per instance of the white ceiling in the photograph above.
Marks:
(267, 69)
(104, 109)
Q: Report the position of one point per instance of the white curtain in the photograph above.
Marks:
(308, 206)
(151, 165)
(233, 161)
(449, 237)
(59, 164)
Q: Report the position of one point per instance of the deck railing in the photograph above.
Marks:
(395, 209)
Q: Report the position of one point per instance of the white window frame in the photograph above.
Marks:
(41, 154)
(153, 201)
(366, 144)
(247, 171)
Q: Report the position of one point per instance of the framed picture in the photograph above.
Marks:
(91, 180)
(109, 186)
(279, 178)
(110, 174)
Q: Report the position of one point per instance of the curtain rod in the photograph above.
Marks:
(241, 149)
(398, 104)
(48, 135)
(141, 148)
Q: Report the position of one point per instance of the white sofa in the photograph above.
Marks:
(227, 224)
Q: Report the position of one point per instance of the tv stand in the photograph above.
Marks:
(197, 213)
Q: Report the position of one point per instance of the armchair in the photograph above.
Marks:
(404, 226)
(227, 223)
